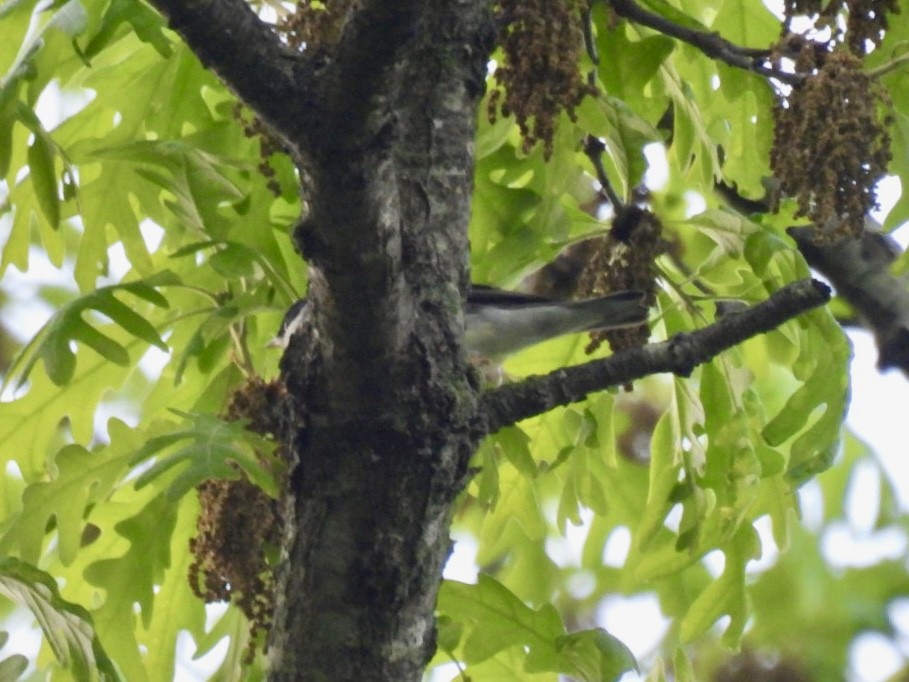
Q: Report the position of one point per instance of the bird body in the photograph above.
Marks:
(499, 323)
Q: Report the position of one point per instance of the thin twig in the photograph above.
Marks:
(594, 148)
(589, 43)
(887, 67)
(711, 44)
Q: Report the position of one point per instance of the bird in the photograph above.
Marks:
(499, 323)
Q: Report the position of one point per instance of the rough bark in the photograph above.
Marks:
(381, 379)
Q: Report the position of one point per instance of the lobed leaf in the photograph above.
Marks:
(52, 344)
(497, 620)
(83, 478)
(217, 449)
(67, 627)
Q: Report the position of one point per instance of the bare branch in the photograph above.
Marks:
(679, 355)
(711, 44)
(594, 148)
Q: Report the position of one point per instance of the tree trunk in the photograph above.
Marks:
(382, 401)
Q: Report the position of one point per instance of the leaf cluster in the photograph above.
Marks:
(147, 194)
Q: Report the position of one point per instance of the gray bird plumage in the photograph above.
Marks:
(499, 323)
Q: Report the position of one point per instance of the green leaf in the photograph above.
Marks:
(176, 607)
(624, 133)
(726, 595)
(664, 474)
(449, 633)
(44, 177)
(210, 339)
(31, 424)
(693, 152)
(491, 136)
(819, 403)
(234, 261)
(52, 343)
(67, 627)
(676, 16)
(11, 667)
(626, 66)
(513, 443)
(684, 671)
(497, 620)
(198, 180)
(234, 627)
(16, 16)
(83, 478)
(70, 19)
(218, 449)
(595, 656)
(500, 620)
(131, 579)
(8, 118)
(147, 24)
(729, 230)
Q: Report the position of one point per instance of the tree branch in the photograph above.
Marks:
(711, 44)
(248, 56)
(859, 271)
(679, 355)
(360, 71)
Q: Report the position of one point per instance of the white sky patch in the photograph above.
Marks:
(566, 551)
(25, 312)
(657, 174)
(190, 669)
(694, 203)
(873, 658)
(715, 562)
(877, 413)
(863, 497)
(845, 547)
(462, 563)
(769, 551)
(617, 546)
(637, 621)
(55, 105)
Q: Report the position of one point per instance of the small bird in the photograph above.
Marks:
(290, 325)
(499, 323)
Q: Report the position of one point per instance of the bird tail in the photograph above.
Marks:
(613, 311)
